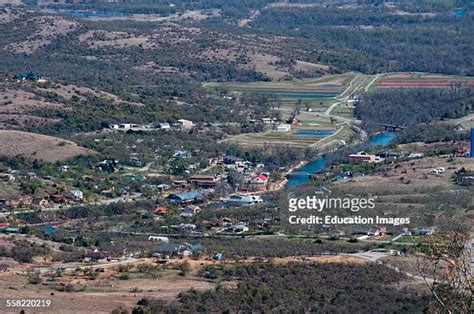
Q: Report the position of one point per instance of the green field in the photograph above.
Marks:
(343, 111)
(317, 93)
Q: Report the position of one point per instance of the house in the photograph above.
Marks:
(268, 120)
(108, 165)
(163, 126)
(7, 177)
(108, 192)
(159, 239)
(261, 223)
(217, 256)
(374, 232)
(57, 198)
(180, 183)
(76, 195)
(11, 230)
(231, 160)
(163, 187)
(258, 179)
(186, 227)
(190, 211)
(352, 102)
(30, 76)
(124, 127)
(237, 199)
(135, 162)
(204, 181)
(64, 168)
(240, 228)
(40, 201)
(168, 250)
(424, 231)
(186, 197)
(182, 154)
(415, 155)
(283, 128)
(97, 256)
(185, 124)
(438, 171)
(187, 253)
(362, 156)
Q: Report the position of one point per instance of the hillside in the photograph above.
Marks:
(37, 146)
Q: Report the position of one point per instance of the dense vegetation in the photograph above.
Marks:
(320, 288)
(434, 132)
(408, 108)
(372, 39)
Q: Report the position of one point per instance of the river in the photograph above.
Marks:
(299, 176)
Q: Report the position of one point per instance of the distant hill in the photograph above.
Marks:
(37, 146)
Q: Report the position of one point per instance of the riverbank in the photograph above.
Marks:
(301, 175)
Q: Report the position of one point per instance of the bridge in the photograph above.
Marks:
(393, 127)
(300, 174)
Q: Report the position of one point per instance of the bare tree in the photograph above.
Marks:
(444, 264)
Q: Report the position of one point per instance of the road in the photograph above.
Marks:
(133, 198)
(374, 256)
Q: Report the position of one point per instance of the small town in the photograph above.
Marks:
(236, 157)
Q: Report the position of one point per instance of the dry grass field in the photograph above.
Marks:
(37, 146)
(107, 291)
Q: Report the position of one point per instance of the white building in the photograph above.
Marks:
(242, 199)
(159, 239)
(283, 128)
(76, 194)
(186, 124)
(163, 126)
(269, 120)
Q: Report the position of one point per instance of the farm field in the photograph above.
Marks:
(421, 81)
(318, 93)
(314, 98)
(343, 111)
(305, 134)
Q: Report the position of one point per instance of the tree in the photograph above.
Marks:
(444, 264)
(184, 269)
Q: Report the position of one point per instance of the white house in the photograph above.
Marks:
(438, 171)
(163, 126)
(76, 194)
(64, 168)
(159, 239)
(190, 211)
(240, 228)
(186, 124)
(242, 199)
(269, 120)
(283, 128)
